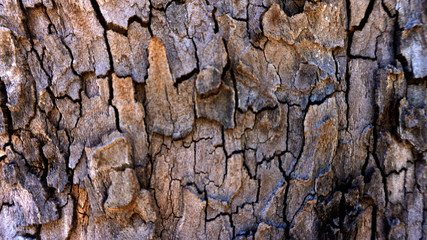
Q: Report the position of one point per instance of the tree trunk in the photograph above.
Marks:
(213, 119)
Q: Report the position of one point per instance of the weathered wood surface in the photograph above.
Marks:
(213, 119)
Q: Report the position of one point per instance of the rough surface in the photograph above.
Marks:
(213, 119)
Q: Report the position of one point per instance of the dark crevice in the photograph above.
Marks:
(30, 39)
(416, 81)
(98, 13)
(51, 25)
(285, 205)
(405, 65)
(389, 14)
(150, 19)
(215, 217)
(192, 185)
(319, 102)
(293, 7)
(308, 197)
(185, 77)
(367, 173)
(245, 165)
(195, 54)
(288, 179)
(362, 57)
(7, 204)
(118, 29)
(45, 162)
(216, 27)
(375, 145)
(72, 58)
(110, 102)
(223, 149)
(365, 17)
(7, 116)
(348, 53)
(394, 171)
(350, 33)
(230, 218)
(163, 9)
(137, 19)
(104, 25)
(397, 33)
(228, 69)
(25, 22)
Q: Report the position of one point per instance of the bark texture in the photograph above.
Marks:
(213, 119)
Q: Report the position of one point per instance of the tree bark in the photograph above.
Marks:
(213, 119)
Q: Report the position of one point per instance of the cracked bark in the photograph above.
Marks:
(202, 119)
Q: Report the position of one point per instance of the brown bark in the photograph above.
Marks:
(213, 119)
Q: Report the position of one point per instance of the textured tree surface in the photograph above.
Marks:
(213, 119)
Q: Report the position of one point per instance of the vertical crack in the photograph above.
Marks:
(374, 222)
(7, 116)
(350, 33)
(105, 26)
(347, 73)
